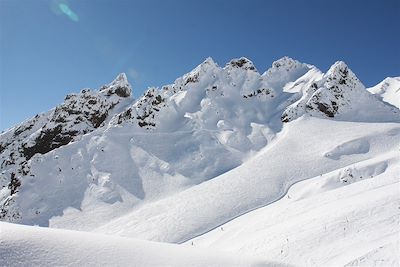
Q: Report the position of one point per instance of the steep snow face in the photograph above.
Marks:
(388, 90)
(79, 114)
(340, 94)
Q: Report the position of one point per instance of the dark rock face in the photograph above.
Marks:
(144, 111)
(48, 140)
(14, 184)
(122, 92)
(242, 63)
(192, 79)
(263, 91)
(328, 110)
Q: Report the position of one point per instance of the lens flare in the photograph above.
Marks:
(65, 9)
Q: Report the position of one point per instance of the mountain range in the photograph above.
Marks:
(273, 165)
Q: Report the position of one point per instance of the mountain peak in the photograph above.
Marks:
(339, 68)
(340, 75)
(209, 61)
(286, 65)
(285, 62)
(119, 86)
(242, 62)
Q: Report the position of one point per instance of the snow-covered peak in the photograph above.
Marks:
(241, 63)
(119, 86)
(341, 94)
(336, 67)
(388, 90)
(284, 70)
(207, 67)
(340, 75)
(285, 63)
(209, 61)
(207, 64)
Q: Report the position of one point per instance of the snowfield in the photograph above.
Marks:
(225, 167)
(261, 180)
(324, 221)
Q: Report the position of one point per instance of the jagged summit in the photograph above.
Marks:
(119, 86)
(339, 74)
(339, 94)
(285, 63)
(242, 63)
(209, 61)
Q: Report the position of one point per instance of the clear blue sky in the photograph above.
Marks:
(51, 48)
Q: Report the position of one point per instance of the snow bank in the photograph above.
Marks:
(36, 246)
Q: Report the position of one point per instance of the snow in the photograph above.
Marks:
(291, 165)
(261, 180)
(339, 94)
(35, 246)
(388, 90)
(385, 255)
(324, 221)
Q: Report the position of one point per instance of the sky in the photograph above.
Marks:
(49, 48)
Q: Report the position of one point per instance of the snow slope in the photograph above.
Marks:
(388, 90)
(305, 148)
(348, 216)
(36, 246)
(217, 145)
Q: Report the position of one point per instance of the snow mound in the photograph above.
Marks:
(36, 246)
(357, 146)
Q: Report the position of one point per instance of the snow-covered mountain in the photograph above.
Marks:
(186, 158)
(388, 90)
(340, 94)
